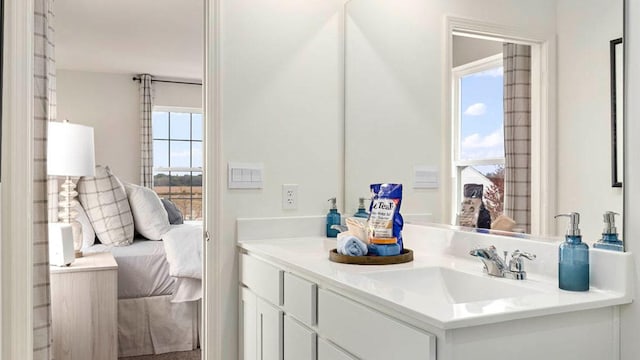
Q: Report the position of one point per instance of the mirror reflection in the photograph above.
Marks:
(493, 114)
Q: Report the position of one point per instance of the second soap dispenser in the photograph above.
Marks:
(333, 218)
(610, 240)
(362, 212)
(573, 260)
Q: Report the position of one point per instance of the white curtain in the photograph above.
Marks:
(146, 133)
(44, 110)
(517, 133)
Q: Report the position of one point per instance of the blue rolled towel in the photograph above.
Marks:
(351, 245)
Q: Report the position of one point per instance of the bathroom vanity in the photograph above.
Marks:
(296, 304)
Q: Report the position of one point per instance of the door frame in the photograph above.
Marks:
(16, 299)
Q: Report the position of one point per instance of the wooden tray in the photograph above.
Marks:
(404, 257)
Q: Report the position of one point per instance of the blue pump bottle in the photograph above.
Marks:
(333, 218)
(573, 260)
(362, 212)
(610, 240)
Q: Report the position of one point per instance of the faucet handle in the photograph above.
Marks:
(516, 265)
(517, 254)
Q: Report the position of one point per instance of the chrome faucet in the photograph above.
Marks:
(496, 266)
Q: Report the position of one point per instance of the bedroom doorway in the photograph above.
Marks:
(138, 82)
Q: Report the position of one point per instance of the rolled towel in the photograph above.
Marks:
(348, 244)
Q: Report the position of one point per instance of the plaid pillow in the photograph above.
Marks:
(105, 201)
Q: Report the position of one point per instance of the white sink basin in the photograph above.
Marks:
(454, 286)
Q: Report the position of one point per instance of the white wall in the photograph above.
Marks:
(109, 103)
(584, 112)
(281, 106)
(395, 88)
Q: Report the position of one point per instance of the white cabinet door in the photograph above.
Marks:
(327, 351)
(354, 326)
(248, 323)
(299, 341)
(269, 323)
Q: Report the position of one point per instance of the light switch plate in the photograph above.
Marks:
(425, 177)
(245, 175)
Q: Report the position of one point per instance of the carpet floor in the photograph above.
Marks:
(183, 355)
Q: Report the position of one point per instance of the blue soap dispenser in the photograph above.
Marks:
(333, 218)
(610, 240)
(362, 212)
(573, 260)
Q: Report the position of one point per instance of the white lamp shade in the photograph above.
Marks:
(70, 150)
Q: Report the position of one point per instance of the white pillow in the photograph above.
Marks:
(149, 216)
(105, 201)
(88, 235)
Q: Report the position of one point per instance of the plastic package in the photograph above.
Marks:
(385, 221)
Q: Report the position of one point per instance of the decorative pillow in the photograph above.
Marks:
(88, 235)
(149, 216)
(105, 201)
(175, 216)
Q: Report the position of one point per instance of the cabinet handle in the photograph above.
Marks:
(206, 236)
(261, 337)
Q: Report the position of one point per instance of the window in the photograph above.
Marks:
(478, 123)
(177, 158)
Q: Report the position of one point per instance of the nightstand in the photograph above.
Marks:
(84, 308)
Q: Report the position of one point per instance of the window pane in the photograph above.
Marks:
(481, 115)
(196, 156)
(160, 153)
(180, 126)
(196, 194)
(160, 124)
(180, 154)
(196, 126)
(161, 184)
(491, 177)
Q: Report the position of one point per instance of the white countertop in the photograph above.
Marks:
(308, 256)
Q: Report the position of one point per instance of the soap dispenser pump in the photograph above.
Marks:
(333, 218)
(610, 240)
(573, 260)
(362, 212)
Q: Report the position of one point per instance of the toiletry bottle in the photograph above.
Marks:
(361, 213)
(333, 218)
(610, 240)
(573, 261)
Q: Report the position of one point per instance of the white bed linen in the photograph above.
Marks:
(183, 245)
(143, 269)
(155, 325)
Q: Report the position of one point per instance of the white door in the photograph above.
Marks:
(299, 341)
(269, 322)
(249, 329)
(327, 351)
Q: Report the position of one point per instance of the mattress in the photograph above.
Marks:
(143, 270)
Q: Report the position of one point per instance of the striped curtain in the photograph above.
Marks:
(146, 134)
(517, 133)
(44, 110)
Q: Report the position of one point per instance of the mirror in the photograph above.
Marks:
(415, 77)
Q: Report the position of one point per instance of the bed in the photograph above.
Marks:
(157, 312)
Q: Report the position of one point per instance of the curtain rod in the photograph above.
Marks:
(135, 78)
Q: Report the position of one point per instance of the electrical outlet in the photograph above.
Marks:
(289, 196)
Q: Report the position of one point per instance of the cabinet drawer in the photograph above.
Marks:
(299, 342)
(263, 279)
(300, 299)
(356, 327)
(327, 351)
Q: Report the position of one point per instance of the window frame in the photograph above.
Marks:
(180, 169)
(459, 165)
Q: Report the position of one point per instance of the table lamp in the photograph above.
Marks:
(70, 153)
